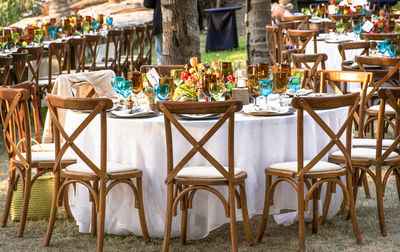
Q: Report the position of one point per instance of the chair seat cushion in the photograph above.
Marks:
(366, 153)
(45, 82)
(209, 172)
(111, 168)
(43, 147)
(387, 108)
(47, 156)
(370, 142)
(321, 166)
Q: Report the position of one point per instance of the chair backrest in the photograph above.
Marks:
(226, 108)
(76, 54)
(149, 42)
(129, 47)
(35, 55)
(304, 20)
(339, 81)
(92, 42)
(329, 26)
(162, 69)
(5, 70)
(140, 35)
(345, 46)
(390, 96)
(115, 37)
(305, 59)
(378, 36)
(346, 17)
(394, 63)
(59, 50)
(300, 38)
(19, 68)
(98, 106)
(273, 44)
(15, 102)
(310, 104)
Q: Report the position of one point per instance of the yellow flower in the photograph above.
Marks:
(24, 44)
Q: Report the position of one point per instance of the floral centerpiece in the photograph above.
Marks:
(380, 25)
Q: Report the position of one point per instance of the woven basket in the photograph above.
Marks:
(40, 200)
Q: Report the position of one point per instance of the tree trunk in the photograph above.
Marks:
(59, 8)
(180, 31)
(258, 15)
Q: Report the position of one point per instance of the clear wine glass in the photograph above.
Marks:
(217, 90)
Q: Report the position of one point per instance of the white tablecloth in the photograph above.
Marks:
(259, 142)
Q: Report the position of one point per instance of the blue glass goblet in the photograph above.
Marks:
(109, 20)
(392, 50)
(294, 83)
(265, 86)
(382, 46)
(162, 91)
(115, 83)
(52, 31)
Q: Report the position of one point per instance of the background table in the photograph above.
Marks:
(259, 142)
(221, 28)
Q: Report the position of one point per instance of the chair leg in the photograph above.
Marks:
(168, 218)
(265, 215)
(352, 209)
(232, 217)
(379, 199)
(365, 184)
(25, 204)
(397, 176)
(93, 224)
(101, 216)
(315, 209)
(300, 210)
(245, 213)
(67, 208)
(142, 216)
(10, 192)
(53, 212)
(184, 210)
(327, 202)
(355, 182)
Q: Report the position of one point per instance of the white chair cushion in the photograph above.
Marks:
(43, 147)
(203, 172)
(376, 108)
(47, 156)
(111, 167)
(321, 166)
(369, 142)
(367, 153)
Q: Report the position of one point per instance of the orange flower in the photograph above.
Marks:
(193, 61)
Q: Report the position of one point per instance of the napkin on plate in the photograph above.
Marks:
(247, 109)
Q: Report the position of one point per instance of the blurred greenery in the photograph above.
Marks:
(12, 11)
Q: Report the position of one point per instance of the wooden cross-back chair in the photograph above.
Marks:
(129, 47)
(299, 39)
(329, 26)
(312, 174)
(19, 68)
(305, 59)
(91, 174)
(76, 55)
(162, 69)
(389, 73)
(115, 38)
(183, 179)
(5, 70)
(363, 158)
(92, 43)
(303, 20)
(149, 41)
(346, 17)
(140, 35)
(17, 138)
(273, 44)
(346, 46)
(283, 38)
(378, 36)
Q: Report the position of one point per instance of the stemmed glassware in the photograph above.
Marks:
(340, 27)
(125, 88)
(253, 87)
(265, 86)
(392, 50)
(382, 46)
(109, 21)
(357, 27)
(314, 10)
(15, 37)
(162, 91)
(280, 83)
(294, 83)
(206, 82)
(3, 42)
(217, 90)
(171, 84)
(95, 25)
(322, 10)
(52, 31)
(137, 83)
(38, 35)
(304, 11)
(115, 83)
(85, 27)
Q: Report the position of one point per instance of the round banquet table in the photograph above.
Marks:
(259, 142)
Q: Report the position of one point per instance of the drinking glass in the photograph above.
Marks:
(382, 46)
(115, 83)
(285, 67)
(15, 37)
(280, 83)
(85, 26)
(357, 27)
(294, 83)
(125, 88)
(206, 81)
(3, 42)
(226, 69)
(176, 74)
(52, 31)
(304, 11)
(38, 35)
(137, 81)
(392, 50)
(88, 19)
(171, 84)
(340, 27)
(100, 17)
(322, 10)
(265, 86)
(217, 90)
(262, 69)
(162, 91)
(314, 10)
(253, 87)
(397, 28)
(53, 21)
(109, 21)
(95, 24)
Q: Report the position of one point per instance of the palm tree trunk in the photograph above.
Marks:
(258, 15)
(59, 8)
(180, 31)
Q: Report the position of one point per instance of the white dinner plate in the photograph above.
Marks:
(198, 116)
(288, 111)
(129, 114)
